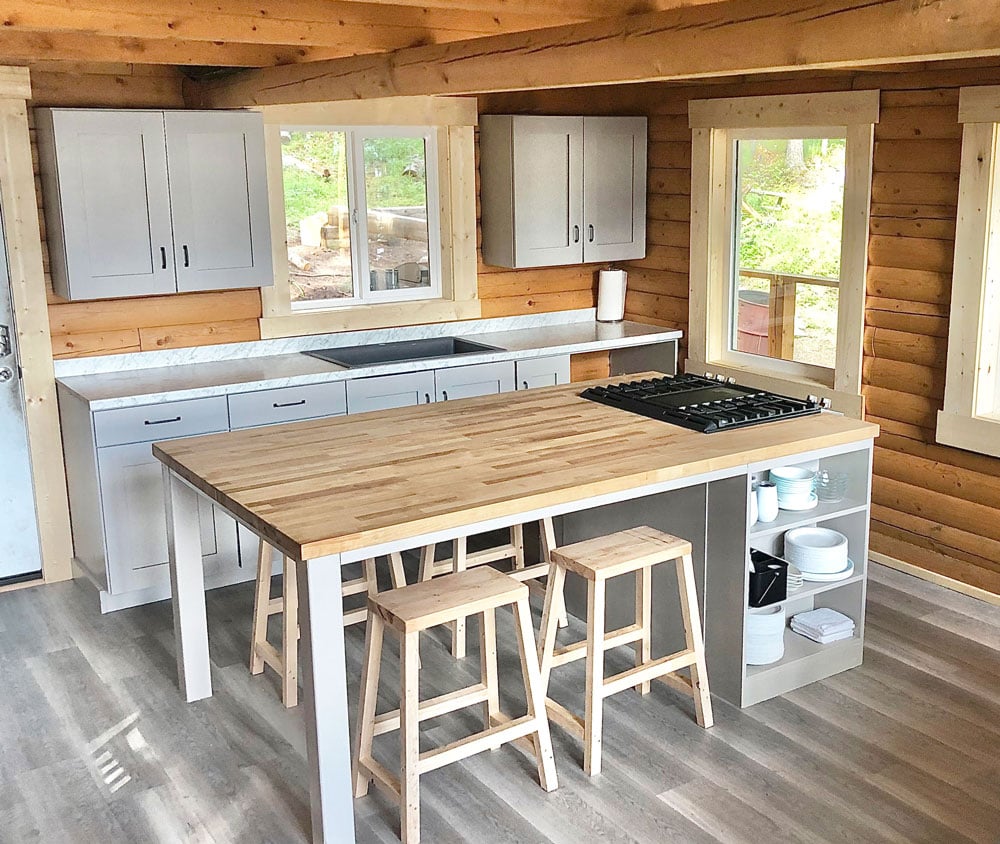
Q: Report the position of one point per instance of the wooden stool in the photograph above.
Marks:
(461, 559)
(408, 611)
(286, 661)
(597, 560)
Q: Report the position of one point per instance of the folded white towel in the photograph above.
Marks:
(823, 621)
(825, 639)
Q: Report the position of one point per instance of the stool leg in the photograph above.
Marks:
(426, 562)
(547, 632)
(517, 540)
(694, 641)
(535, 693)
(365, 727)
(261, 599)
(459, 549)
(396, 570)
(593, 725)
(547, 533)
(409, 728)
(643, 614)
(488, 667)
(370, 574)
(290, 634)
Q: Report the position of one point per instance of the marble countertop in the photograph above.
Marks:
(174, 382)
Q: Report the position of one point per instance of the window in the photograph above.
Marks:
(971, 415)
(373, 214)
(361, 219)
(779, 227)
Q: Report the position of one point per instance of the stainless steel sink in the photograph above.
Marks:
(404, 350)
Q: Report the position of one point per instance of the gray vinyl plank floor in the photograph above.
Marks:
(96, 744)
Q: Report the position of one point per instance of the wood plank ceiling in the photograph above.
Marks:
(234, 33)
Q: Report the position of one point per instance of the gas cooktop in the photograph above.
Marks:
(700, 403)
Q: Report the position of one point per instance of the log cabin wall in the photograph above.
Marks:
(934, 507)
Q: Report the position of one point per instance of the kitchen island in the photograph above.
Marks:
(334, 491)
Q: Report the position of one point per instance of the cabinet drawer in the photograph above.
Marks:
(165, 421)
(287, 404)
(542, 372)
(481, 379)
(387, 391)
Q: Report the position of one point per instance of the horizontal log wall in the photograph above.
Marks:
(933, 507)
(113, 326)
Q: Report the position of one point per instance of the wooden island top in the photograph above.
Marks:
(340, 484)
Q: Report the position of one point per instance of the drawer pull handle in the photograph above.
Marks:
(576, 234)
(161, 421)
(525, 385)
(590, 234)
(427, 398)
(163, 257)
(289, 403)
(187, 257)
(444, 394)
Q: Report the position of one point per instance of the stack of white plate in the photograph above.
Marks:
(795, 487)
(819, 553)
(765, 635)
(795, 578)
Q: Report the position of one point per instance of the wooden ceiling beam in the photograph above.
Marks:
(724, 39)
(32, 47)
(360, 27)
(570, 9)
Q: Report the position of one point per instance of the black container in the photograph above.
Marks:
(768, 579)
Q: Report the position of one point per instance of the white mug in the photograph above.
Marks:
(753, 506)
(767, 502)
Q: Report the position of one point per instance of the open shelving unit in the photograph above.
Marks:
(804, 661)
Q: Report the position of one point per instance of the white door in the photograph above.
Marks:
(548, 191)
(614, 188)
(481, 379)
(20, 556)
(218, 199)
(115, 206)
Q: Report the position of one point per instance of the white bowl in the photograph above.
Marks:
(792, 475)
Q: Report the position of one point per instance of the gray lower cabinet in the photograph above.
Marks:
(542, 372)
(483, 379)
(131, 483)
(141, 202)
(383, 392)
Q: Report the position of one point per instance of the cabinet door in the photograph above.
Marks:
(542, 372)
(614, 188)
(107, 202)
(483, 379)
(548, 195)
(131, 485)
(387, 391)
(218, 196)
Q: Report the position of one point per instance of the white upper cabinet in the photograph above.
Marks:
(147, 202)
(218, 199)
(562, 190)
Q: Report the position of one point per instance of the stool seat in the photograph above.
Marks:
(620, 553)
(446, 599)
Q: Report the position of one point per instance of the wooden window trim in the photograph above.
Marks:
(970, 418)
(715, 125)
(454, 120)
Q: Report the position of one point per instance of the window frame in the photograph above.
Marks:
(716, 126)
(357, 201)
(970, 418)
(448, 127)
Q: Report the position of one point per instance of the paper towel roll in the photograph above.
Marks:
(611, 296)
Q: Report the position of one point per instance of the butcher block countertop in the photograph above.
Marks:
(334, 485)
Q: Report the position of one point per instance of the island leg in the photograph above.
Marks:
(324, 677)
(187, 587)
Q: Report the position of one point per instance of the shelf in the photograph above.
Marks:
(788, 519)
(799, 648)
(811, 588)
